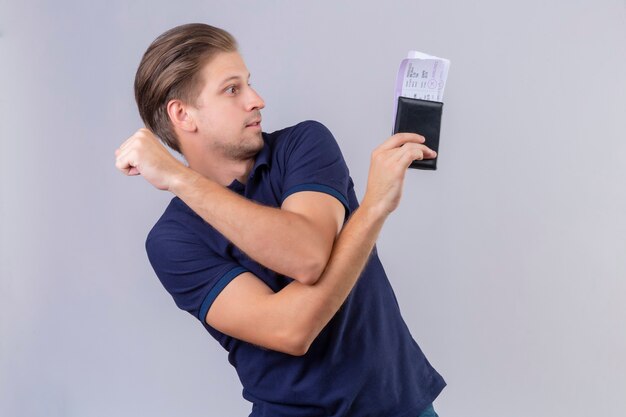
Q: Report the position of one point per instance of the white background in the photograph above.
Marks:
(508, 262)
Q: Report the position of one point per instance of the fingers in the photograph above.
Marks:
(400, 139)
(401, 156)
(410, 152)
(405, 147)
(143, 154)
(123, 160)
(139, 134)
(123, 163)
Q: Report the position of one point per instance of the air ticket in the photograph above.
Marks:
(421, 76)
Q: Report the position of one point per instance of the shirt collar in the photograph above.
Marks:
(262, 158)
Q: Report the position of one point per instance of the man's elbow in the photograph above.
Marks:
(297, 349)
(297, 343)
(308, 278)
(310, 272)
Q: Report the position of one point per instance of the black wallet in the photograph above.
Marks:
(422, 117)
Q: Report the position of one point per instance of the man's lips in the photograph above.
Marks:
(256, 122)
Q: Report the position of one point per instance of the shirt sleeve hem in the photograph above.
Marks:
(217, 289)
(320, 188)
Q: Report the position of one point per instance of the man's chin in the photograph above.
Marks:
(254, 143)
(248, 149)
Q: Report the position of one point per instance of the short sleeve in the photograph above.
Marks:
(313, 162)
(189, 270)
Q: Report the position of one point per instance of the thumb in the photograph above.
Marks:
(133, 171)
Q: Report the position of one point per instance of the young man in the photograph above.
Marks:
(265, 243)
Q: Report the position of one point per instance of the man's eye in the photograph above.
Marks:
(232, 89)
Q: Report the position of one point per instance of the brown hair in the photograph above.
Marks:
(170, 69)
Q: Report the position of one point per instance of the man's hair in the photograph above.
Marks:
(171, 69)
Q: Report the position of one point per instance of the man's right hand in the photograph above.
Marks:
(388, 167)
(142, 154)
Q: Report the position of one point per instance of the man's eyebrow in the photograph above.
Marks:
(233, 78)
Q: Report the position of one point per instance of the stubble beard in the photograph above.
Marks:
(245, 150)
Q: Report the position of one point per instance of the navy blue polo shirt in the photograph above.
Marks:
(364, 362)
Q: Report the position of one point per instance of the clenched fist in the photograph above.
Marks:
(143, 154)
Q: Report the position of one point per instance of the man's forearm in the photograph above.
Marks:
(303, 311)
(307, 309)
(280, 240)
(290, 319)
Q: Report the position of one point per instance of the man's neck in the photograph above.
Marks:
(223, 172)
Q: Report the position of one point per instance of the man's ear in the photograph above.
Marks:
(180, 116)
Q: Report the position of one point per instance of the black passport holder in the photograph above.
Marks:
(422, 117)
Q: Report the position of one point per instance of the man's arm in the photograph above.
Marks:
(295, 240)
(289, 320)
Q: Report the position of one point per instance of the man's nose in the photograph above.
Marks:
(255, 101)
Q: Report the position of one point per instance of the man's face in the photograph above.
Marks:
(228, 111)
